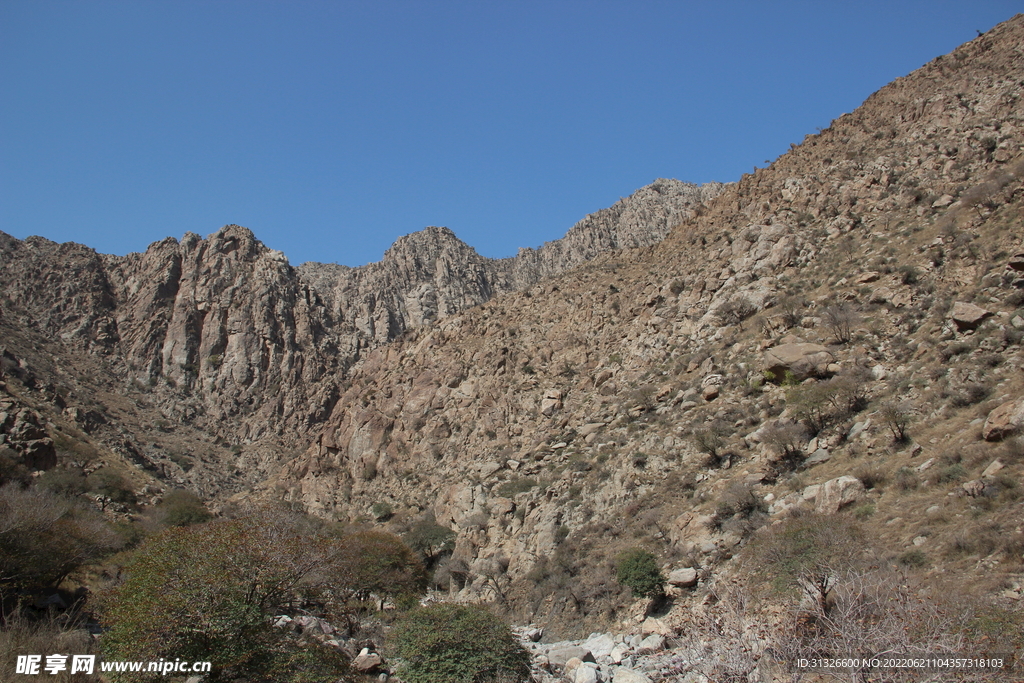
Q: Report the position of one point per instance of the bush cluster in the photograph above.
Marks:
(448, 643)
(638, 570)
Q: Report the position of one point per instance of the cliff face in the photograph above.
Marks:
(225, 337)
(431, 274)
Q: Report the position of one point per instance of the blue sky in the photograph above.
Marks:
(331, 128)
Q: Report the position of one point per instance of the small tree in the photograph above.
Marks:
(811, 552)
(896, 417)
(182, 508)
(638, 570)
(448, 643)
(840, 319)
(379, 562)
(710, 439)
(430, 540)
(206, 592)
(736, 310)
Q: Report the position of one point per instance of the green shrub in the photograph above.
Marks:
(638, 570)
(206, 592)
(514, 486)
(809, 552)
(381, 511)
(112, 485)
(430, 540)
(447, 643)
(913, 558)
(183, 508)
(379, 562)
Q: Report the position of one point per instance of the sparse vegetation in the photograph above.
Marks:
(638, 570)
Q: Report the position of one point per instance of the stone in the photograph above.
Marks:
(367, 662)
(920, 540)
(694, 677)
(551, 402)
(599, 644)
(652, 643)
(973, 488)
(1003, 421)
(993, 468)
(857, 429)
(624, 675)
(586, 674)
(817, 457)
(869, 276)
(684, 578)
(653, 625)
(967, 316)
(837, 493)
(559, 656)
(803, 360)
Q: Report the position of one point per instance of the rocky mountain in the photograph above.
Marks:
(649, 395)
(226, 339)
(687, 372)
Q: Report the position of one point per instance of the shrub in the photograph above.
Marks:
(44, 537)
(448, 643)
(913, 558)
(68, 482)
(514, 486)
(809, 552)
(638, 570)
(710, 440)
(907, 479)
(206, 592)
(182, 508)
(379, 562)
(381, 511)
(430, 540)
(896, 417)
(840, 319)
(112, 485)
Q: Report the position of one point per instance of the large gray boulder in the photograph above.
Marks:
(1003, 421)
(800, 358)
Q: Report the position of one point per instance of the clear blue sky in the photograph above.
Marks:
(331, 128)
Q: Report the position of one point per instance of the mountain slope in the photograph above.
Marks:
(223, 338)
(554, 426)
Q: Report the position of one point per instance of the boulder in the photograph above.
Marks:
(367, 662)
(1003, 421)
(802, 359)
(654, 625)
(551, 402)
(818, 457)
(652, 643)
(967, 316)
(684, 578)
(836, 494)
(586, 674)
(993, 468)
(600, 644)
(560, 656)
(973, 488)
(623, 675)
